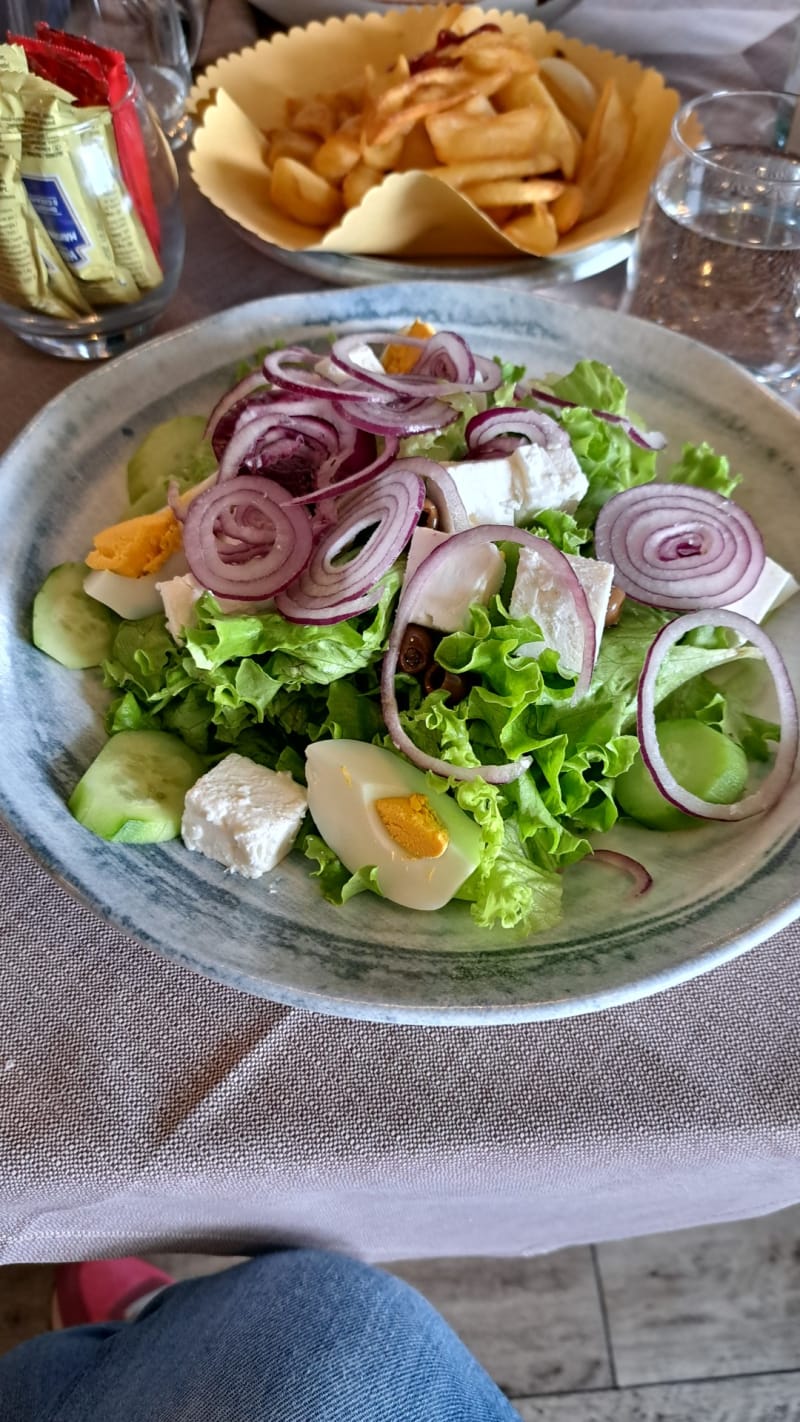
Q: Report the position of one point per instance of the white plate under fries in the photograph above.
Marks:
(300, 12)
(717, 891)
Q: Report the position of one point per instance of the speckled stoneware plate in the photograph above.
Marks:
(717, 890)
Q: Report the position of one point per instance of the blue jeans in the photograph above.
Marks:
(298, 1335)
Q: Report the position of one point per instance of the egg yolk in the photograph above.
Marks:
(398, 360)
(413, 825)
(138, 545)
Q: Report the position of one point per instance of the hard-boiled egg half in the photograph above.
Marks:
(375, 810)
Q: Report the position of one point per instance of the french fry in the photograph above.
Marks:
(417, 151)
(567, 208)
(303, 194)
(535, 231)
(288, 143)
(571, 89)
(358, 183)
(526, 91)
(335, 158)
(460, 175)
(604, 149)
(457, 139)
(510, 192)
(383, 156)
(315, 116)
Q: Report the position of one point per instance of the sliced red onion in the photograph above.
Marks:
(443, 492)
(249, 383)
(444, 343)
(679, 547)
(296, 442)
(294, 370)
(771, 789)
(432, 568)
(403, 415)
(642, 878)
(245, 539)
(498, 431)
(329, 591)
(652, 439)
(336, 488)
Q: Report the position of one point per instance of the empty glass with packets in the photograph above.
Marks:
(91, 230)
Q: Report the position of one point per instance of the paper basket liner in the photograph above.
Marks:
(410, 214)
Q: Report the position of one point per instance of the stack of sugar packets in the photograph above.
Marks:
(78, 223)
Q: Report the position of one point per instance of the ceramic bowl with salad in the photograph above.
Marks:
(426, 633)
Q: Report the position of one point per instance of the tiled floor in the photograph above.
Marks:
(699, 1326)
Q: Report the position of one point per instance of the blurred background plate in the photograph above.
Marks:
(300, 12)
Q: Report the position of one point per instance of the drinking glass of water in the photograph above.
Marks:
(717, 254)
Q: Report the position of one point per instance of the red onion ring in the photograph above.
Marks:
(412, 383)
(679, 547)
(404, 416)
(337, 488)
(218, 532)
(653, 440)
(642, 878)
(500, 430)
(249, 383)
(459, 545)
(327, 591)
(304, 379)
(771, 789)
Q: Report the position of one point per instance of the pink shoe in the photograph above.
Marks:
(103, 1290)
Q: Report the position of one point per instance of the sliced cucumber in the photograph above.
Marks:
(133, 792)
(69, 625)
(175, 449)
(703, 761)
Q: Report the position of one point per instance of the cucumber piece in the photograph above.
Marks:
(703, 761)
(68, 625)
(133, 792)
(175, 449)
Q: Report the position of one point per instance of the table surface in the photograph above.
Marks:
(143, 1107)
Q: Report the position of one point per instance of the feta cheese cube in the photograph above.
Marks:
(774, 587)
(523, 483)
(243, 815)
(178, 597)
(548, 478)
(476, 578)
(538, 594)
(359, 355)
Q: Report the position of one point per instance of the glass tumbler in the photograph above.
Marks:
(160, 40)
(717, 254)
(92, 234)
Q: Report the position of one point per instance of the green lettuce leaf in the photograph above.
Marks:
(593, 384)
(700, 466)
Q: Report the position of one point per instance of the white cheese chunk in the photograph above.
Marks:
(538, 594)
(774, 587)
(243, 815)
(524, 482)
(359, 355)
(446, 602)
(178, 597)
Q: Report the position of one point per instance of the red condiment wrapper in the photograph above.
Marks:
(98, 76)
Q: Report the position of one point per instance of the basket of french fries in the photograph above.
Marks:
(439, 131)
